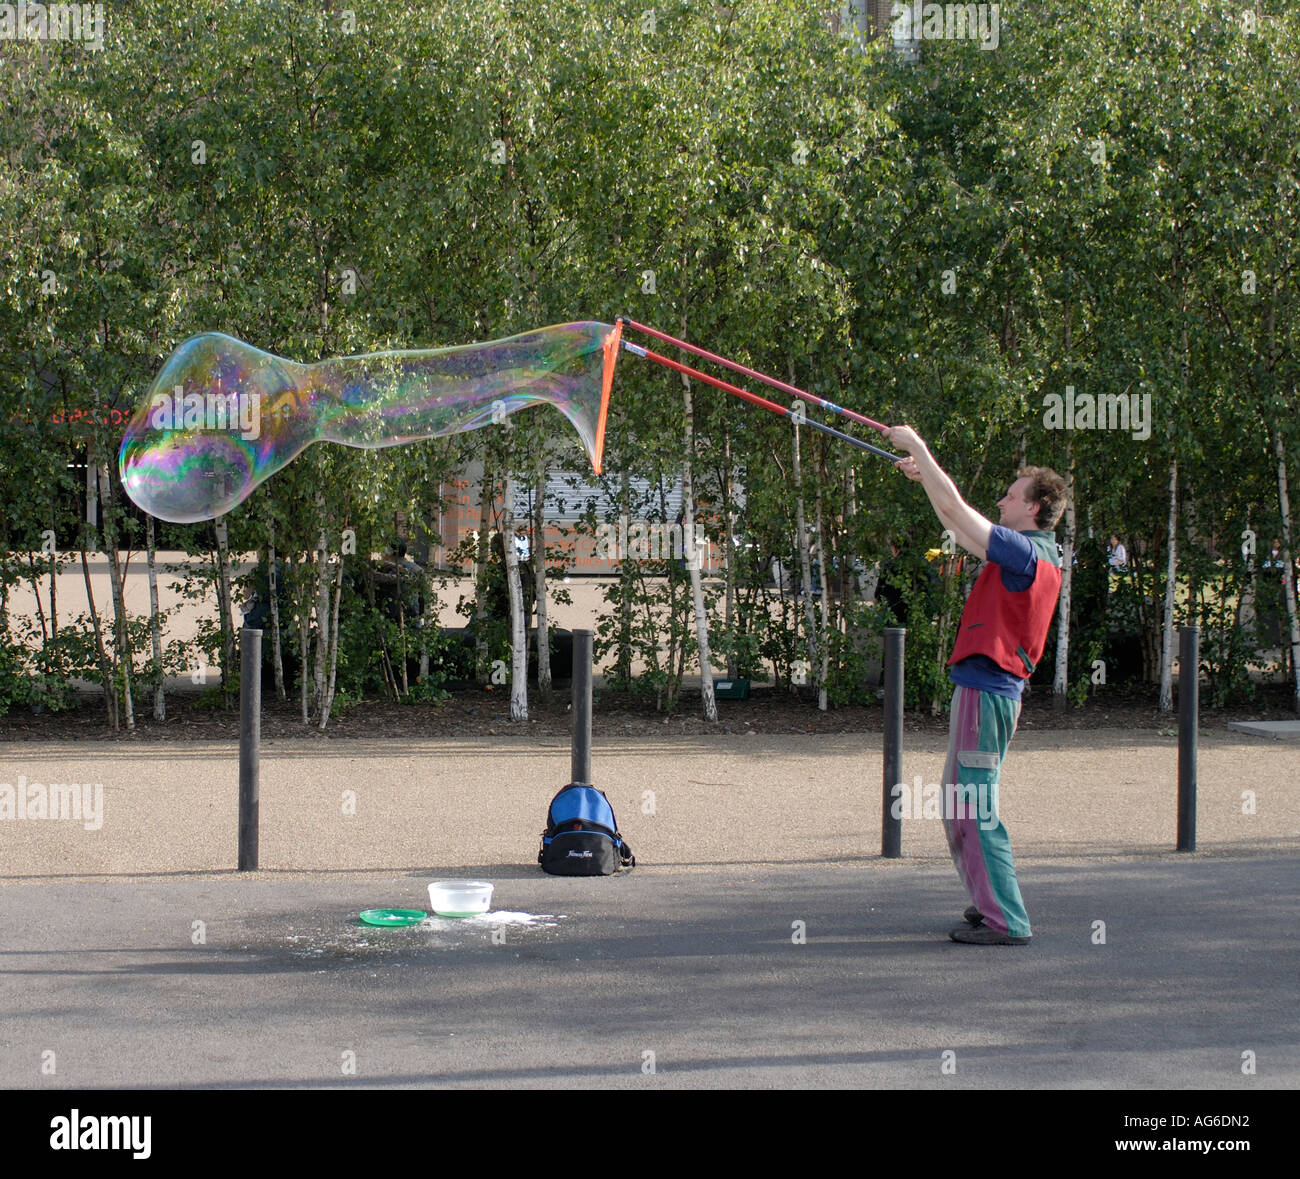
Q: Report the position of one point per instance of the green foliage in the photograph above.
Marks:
(1225, 648)
(655, 596)
(39, 682)
(857, 654)
(12, 680)
(926, 683)
(946, 243)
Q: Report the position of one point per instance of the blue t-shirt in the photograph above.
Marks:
(1017, 555)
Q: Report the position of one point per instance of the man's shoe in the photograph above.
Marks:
(973, 915)
(984, 935)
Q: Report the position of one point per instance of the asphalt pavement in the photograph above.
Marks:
(760, 943)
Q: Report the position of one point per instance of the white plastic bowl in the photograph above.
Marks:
(460, 898)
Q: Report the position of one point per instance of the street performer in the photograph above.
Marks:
(1001, 638)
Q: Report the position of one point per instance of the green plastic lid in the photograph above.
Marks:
(393, 917)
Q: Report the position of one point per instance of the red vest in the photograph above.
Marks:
(1011, 629)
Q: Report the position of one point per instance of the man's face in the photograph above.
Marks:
(1017, 512)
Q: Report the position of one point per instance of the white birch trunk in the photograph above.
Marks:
(224, 609)
(401, 621)
(1168, 637)
(1288, 560)
(539, 582)
(322, 620)
(328, 704)
(823, 668)
(1171, 572)
(625, 576)
(123, 644)
(805, 562)
(427, 623)
(1061, 677)
(692, 554)
(304, 637)
(518, 634)
(487, 493)
(155, 628)
(105, 668)
(273, 588)
(54, 601)
(40, 602)
(729, 555)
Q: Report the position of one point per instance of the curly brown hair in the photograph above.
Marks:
(1048, 492)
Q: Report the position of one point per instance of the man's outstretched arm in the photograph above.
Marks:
(971, 530)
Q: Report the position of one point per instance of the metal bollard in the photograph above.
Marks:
(1189, 676)
(250, 739)
(580, 761)
(891, 828)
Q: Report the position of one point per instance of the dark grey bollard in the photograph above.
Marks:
(250, 739)
(891, 829)
(1189, 677)
(580, 763)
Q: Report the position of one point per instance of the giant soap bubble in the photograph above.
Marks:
(222, 416)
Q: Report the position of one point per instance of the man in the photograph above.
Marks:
(1003, 630)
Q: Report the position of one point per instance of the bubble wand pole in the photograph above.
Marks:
(735, 390)
(749, 372)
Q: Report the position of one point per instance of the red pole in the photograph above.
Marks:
(784, 411)
(749, 372)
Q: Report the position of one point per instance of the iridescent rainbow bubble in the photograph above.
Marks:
(222, 416)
